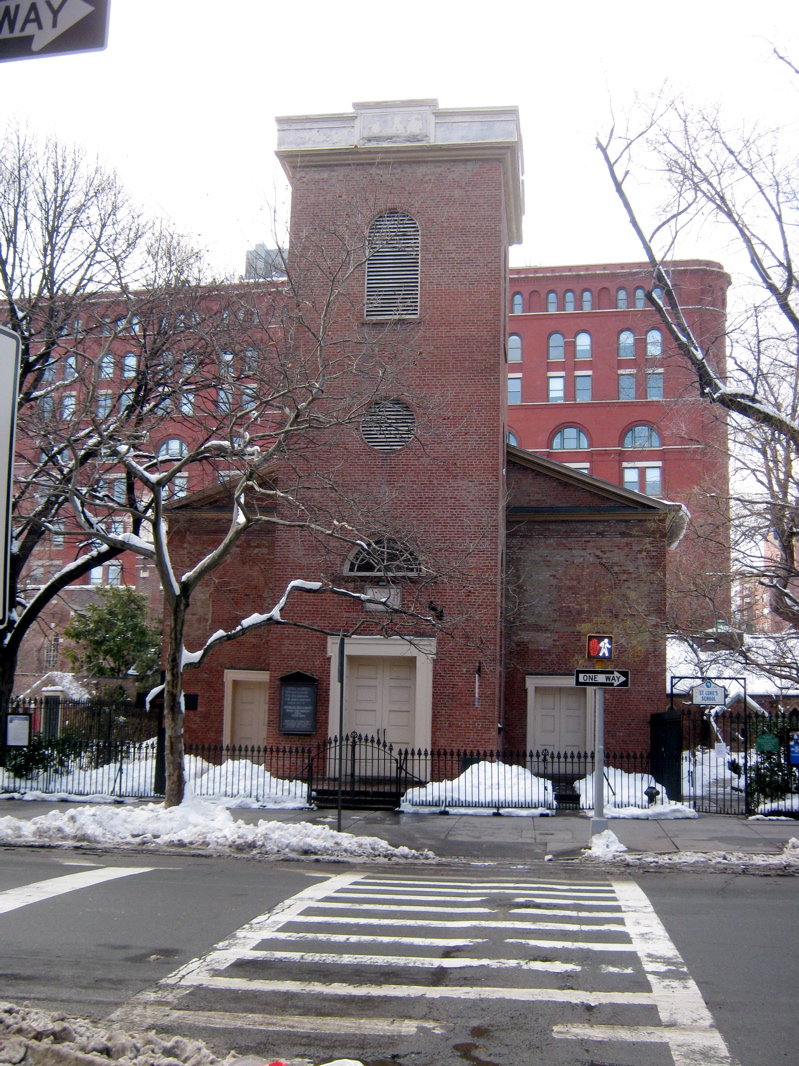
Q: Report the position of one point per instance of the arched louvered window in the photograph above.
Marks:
(383, 557)
(392, 267)
(388, 425)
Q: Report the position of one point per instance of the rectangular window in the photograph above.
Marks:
(514, 390)
(654, 386)
(68, 405)
(107, 366)
(103, 404)
(96, 575)
(116, 527)
(70, 368)
(114, 574)
(630, 475)
(582, 387)
(224, 400)
(180, 485)
(57, 534)
(186, 403)
(129, 362)
(48, 373)
(249, 398)
(117, 489)
(652, 480)
(46, 405)
(626, 386)
(556, 388)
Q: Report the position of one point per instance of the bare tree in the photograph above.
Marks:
(742, 182)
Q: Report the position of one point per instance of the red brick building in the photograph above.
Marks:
(468, 510)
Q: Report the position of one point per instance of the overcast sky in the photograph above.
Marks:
(182, 103)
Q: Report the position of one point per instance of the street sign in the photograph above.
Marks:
(599, 646)
(33, 28)
(9, 374)
(708, 694)
(602, 678)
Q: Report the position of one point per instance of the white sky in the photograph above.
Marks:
(182, 102)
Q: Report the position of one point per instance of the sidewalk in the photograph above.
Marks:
(486, 838)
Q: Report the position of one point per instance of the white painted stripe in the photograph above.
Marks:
(154, 1016)
(386, 897)
(357, 938)
(638, 1034)
(526, 995)
(13, 898)
(589, 945)
(564, 900)
(569, 914)
(472, 923)
(518, 886)
(368, 886)
(395, 908)
(220, 960)
(692, 1036)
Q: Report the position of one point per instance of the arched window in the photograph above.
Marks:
(555, 346)
(514, 348)
(639, 298)
(582, 345)
(569, 439)
(513, 439)
(568, 300)
(517, 304)
(552, 301)
(392, 267)
(621, 299)
(641, 437)
(586, 300)
(654, 342)
(658, 293)
(174, 448)
(626, 344)
(383, 557)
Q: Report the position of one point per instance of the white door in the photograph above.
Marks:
(559, 720)
(248, 707)
(381, 698)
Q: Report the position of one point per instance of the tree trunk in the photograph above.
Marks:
(173, 706)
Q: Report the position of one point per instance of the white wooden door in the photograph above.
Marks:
(248, 710)
(381, 698)
(559, 720)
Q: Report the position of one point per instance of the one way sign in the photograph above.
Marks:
(52, 27)
(602, 678)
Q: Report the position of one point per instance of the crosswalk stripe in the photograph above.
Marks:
(472, 923)
(360, 938)
(433, 910)
(220, 960)
(588, 945)
(14, 898)
(153, 1016)
(525, 995)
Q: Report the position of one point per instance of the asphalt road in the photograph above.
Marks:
(488, 965)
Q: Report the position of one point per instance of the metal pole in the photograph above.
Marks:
(340, 729)
(599, 823)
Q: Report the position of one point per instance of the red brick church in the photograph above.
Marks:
(515, 556)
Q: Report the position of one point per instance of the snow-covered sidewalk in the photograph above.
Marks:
(607, 848)
(196, 825)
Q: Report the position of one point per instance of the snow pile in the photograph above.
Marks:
(605, 845)
(625, 797)
(482, 789)
(34, 1036)
(196, 825)
(241, 783)
(742, 862)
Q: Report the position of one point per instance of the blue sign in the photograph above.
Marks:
(793, 749)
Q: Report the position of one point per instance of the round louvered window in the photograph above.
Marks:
(388, 425)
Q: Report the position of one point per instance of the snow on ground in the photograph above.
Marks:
(625, 797)
(483, 789)
(197, 825)
(604, 845)
(28, 1034)
(787, 861)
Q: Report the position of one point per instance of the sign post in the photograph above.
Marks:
(9, 377)
(600, 647)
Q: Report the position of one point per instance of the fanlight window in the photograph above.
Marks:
(641, 437)
(173, 449)
(388, 425)
(392, 268)
(570, 438)
(383, 557)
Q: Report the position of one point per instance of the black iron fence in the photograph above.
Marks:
(730, 763)
(97, 719)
